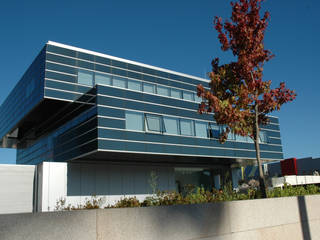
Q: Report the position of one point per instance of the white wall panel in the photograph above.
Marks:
(16, 188)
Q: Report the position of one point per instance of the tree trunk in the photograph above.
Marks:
(257, 146)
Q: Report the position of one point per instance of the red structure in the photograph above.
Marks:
(289, 166)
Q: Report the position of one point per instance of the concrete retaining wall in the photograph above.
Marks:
(280, 218)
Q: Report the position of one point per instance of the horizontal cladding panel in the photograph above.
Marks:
(111, 123)
(110, 145)
(149, 107)
(61, 68)
(61, 77)
(77, 130)
(120, 64)
(274, 120)
(111, 112)
(77, 152)
(271, 127)
(68, 145)
(67, 87)
(275, 141)
(171, 139)
(273, 134)
(51, 93)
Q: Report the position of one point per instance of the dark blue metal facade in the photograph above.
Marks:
(97, 106)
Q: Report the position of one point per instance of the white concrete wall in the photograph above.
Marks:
(77, 182)
(293, 218)
(16, 188)
(52, 183)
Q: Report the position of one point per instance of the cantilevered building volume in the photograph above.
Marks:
(111, 121)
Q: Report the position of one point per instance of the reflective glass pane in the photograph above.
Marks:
(102, 79)
(176, 93)
(153, 123)
(186, 127)
(134, 85)
(171, 125)
(240, 138)
(263, 137)
(149, 87)
(164, 91)
(188, 96)
(119, 82)
(85, 77)
(134, 121)
(249, 140)
(214, 131)
(197, 99)
(201, 129)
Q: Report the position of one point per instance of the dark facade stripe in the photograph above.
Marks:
(176, 150)
(170, 139)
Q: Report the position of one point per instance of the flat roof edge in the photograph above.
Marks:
(124, 60)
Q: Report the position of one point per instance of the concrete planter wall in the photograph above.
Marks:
(279, 218)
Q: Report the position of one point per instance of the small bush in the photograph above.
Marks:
(191, 196)
(127, 203)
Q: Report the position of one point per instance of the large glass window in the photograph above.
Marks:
(240, 138)
(201, 129)
(171, 125)
(149, 87)
(176, 93)
(197, 99)
(134, 121)
(186, 127)
(164, 91)
(102, 79)
(85, 77)
(120, 82)
(263, 137)
(214, 130)
(188, 96)
(134, 85)
(154, 123)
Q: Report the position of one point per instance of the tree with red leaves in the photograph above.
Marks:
(238, 96)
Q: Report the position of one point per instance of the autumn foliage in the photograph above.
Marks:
(237, 92)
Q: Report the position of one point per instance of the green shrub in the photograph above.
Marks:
(127, 203)
(191, 196)
(288, 191)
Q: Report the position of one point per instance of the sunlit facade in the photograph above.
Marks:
(74, 105)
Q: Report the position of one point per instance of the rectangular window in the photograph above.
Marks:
(188, 96)
(263, 137)
(85, 77)
(102, 79)
(201, 129)
(134, 85)
(120, 82)
(214, 131)
(176, 93)
(197, 99)
(164, 91)
(171, 125)
(186, 127)
(154, 123)
(149, 87)
(134, 121)
(240, 138)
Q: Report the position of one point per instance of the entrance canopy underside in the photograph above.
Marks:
(136, 158)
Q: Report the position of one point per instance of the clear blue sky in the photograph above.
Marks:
(177, 35)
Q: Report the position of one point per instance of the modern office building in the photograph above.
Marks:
(113, 121)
